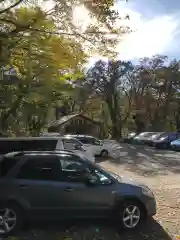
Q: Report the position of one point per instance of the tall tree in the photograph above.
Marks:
(108, 80)
(154, 87)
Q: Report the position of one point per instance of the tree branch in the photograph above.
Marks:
(75, 33)
(12, 6)
(18, 27)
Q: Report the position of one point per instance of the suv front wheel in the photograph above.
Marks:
(104, 153)
(131, 213)
(10, 219)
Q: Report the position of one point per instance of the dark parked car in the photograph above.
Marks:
(165, 140)
(175, 145)
(144, 137)
(150, 140)
(60, 185)
(130, 137)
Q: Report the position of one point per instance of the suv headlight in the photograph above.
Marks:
(146, 191)
(163, 138)
(83, 148)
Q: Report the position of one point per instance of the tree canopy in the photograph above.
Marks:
(42, 62)
(42, 57)
(100, 34)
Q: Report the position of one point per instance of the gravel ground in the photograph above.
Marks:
(160, 171)
(96, 231)
(165, 182)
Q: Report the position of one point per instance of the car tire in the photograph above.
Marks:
(11, 216)
(130, 215)
(173, 148)
(104, 153)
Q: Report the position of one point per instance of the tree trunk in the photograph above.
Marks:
(177, 118)
(113, 110)
(140, 125)
(11, 112)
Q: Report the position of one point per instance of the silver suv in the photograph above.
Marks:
(59, 185)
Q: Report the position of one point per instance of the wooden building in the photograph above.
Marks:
(75, 124)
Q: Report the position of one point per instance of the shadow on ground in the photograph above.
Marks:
(86, 231)
(146, 160)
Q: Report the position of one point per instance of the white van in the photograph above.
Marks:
(44, 144)
(98, 147)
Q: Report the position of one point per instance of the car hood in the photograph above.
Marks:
(175, 142)
(129, 180)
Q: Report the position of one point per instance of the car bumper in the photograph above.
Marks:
(138, 141)
(128, 140)
(175, 147)
(163, 145)
(150, 205)
(149, 143)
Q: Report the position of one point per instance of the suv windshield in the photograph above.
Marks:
(114, 175)
(164, 135)
(85, 140)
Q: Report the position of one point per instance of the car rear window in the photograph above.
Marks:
(6, 164)
(27, 145)
(40, 145)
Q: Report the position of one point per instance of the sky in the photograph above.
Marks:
(157, 24)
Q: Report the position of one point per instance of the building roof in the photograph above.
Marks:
(66, 118)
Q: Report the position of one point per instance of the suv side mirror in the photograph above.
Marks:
(91, 180)
(77, 147)
(97, 142)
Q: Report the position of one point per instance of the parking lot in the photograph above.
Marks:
(144, 160)
(159, 169)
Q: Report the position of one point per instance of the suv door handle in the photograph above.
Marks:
(23, 186)
(69, 189)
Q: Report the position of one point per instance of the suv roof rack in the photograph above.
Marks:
(20, 153)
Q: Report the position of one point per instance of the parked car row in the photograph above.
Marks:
(161, 140)
(54, 177)
(82, 144)
(45, 144)
(98, 147)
